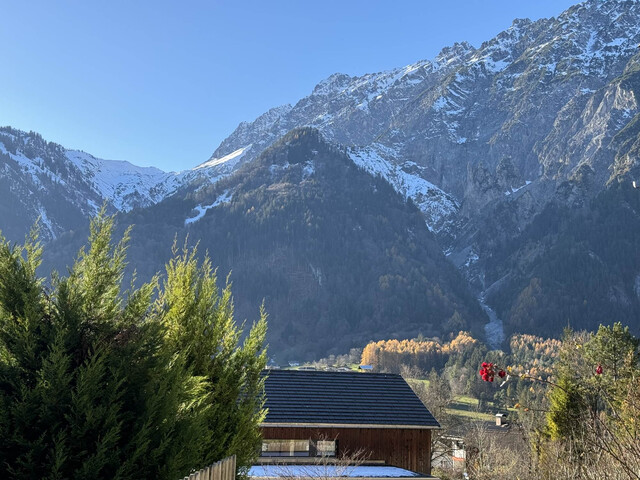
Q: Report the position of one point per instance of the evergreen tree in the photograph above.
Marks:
(199, 323)
(615, 350)
(566, 411)
(96, 383)
(568, 400)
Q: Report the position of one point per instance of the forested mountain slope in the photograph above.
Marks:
(337, 255)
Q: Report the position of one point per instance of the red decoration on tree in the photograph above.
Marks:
(486, 372)
(599, 370)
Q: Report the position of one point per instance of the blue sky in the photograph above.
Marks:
(163, 83)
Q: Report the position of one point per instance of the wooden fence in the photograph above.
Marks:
(222, 470)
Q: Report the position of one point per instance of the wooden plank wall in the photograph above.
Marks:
(405, 448)
(222, 470)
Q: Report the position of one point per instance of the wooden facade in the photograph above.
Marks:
(311, 413)
(408, 448)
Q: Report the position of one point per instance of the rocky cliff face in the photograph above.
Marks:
(508, 122)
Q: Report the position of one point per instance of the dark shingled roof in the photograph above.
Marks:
(343, 398)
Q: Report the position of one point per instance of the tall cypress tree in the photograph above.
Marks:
(97, 383)
(199, 323)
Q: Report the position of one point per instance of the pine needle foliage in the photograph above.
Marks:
(99, 382)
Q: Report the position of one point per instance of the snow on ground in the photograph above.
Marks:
(437, 206)
(202, 209)
(517, 189)
(231, 160)
(329, 471)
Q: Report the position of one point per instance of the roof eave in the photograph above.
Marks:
(347, 425)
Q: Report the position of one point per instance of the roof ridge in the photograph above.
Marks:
(309, 397)
(278, 371)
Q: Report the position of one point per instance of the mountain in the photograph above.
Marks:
(525, 109)
(337, 255)
(508, 150)
(64, 188)
(486, 140)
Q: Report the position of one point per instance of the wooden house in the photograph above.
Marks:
(323, 414)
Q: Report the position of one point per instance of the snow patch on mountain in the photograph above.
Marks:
(44, 220)
(308, 169)
(33, 167)
(230, 160)
(438, 207)
(201, 210)
(125, 185)
(513, 190)
(472, 258)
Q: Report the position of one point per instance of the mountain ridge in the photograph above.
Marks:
(39, 174)
(344, 107)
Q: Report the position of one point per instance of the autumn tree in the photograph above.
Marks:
(423, 354)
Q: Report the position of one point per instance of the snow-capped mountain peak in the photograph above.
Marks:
(65, 187)
(125, 185)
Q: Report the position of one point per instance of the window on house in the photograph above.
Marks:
(326, 448)
(285, 448)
